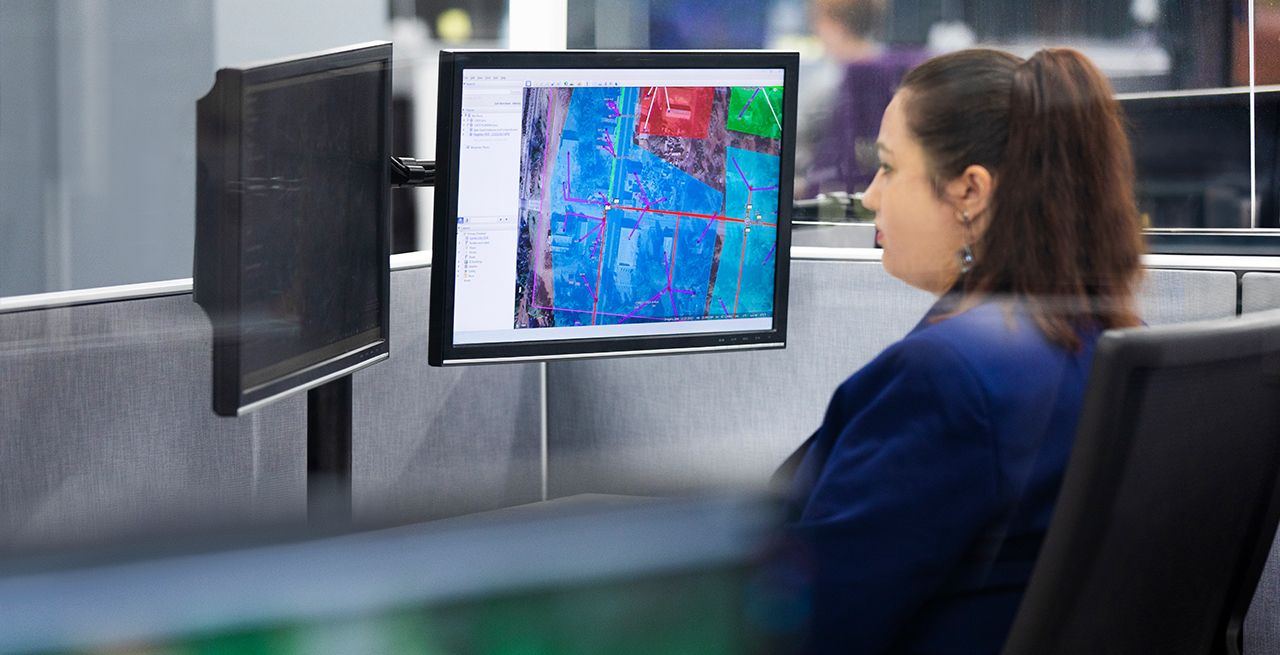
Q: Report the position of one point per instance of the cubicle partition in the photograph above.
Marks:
(107, 427)
(431, 442)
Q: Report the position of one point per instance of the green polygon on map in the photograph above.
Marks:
(756, 110)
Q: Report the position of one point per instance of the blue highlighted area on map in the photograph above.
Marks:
(643, 205)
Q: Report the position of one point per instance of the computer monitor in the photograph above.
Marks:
(1193, 156)
(607, 203)
(292, 241)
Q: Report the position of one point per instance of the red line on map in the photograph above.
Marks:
(671, 272)
(740, 261)
(604, 221)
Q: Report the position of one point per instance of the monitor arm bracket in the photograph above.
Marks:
(410, 172)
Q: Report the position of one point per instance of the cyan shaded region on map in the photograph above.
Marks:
(644, 204)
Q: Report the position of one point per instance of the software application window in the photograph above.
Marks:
(605, 202)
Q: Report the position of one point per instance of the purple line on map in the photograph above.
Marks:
(588, 283)
(608, 145)
(749, 101)
(587, 311)
(708, 227)
(770, 255)
(722, 306)
(643, 304)
(644, 199)
(593, 231)
(740, 173)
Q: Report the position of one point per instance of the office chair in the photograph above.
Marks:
(1169, 503)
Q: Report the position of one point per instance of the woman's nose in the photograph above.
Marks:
(871, 197)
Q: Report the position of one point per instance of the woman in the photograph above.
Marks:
(1005, 187)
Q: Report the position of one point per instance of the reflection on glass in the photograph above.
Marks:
(854, 52)
(1193, 157)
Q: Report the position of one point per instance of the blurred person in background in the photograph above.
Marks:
(844, 94)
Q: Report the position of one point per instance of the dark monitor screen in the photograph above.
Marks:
(292, 246)
(1194, 156)
(604, 203)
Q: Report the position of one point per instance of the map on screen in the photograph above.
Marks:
(646, 204)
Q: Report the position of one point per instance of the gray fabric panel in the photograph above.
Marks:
(652, 425)
(658, 424)
(1259, 292)
(1177, 296)
(432, 442)
(107, 429)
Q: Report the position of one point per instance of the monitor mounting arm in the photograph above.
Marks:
(410, 172)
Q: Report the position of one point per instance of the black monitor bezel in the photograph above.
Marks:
(217, 273)
(442, 351)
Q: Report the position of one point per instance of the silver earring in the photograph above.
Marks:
(966, 253)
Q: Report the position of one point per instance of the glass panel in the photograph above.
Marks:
(855, 52)
(97, 118)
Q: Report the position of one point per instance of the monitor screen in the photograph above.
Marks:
(1201, 178)
(292, 248)
(597, 203)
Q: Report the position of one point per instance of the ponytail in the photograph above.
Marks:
(1063, 231)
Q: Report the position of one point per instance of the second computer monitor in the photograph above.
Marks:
(604, 203)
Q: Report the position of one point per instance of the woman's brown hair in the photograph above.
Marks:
(1062, 229)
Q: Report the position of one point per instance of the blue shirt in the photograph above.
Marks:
(924, 496)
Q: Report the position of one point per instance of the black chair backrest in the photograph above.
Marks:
(1169, 503)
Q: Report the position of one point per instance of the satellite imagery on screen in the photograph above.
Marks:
(646, 204)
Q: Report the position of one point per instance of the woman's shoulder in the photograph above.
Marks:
(985, 340)
(987, 328)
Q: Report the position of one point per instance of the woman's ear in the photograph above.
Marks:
(970, 192)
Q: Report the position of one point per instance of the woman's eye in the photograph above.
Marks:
(885, 167)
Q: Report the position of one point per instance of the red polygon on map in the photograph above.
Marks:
(675, 111)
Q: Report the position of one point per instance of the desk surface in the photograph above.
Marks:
(565, 542)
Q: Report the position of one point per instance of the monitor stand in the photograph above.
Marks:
(329, 406)
(329, 453)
